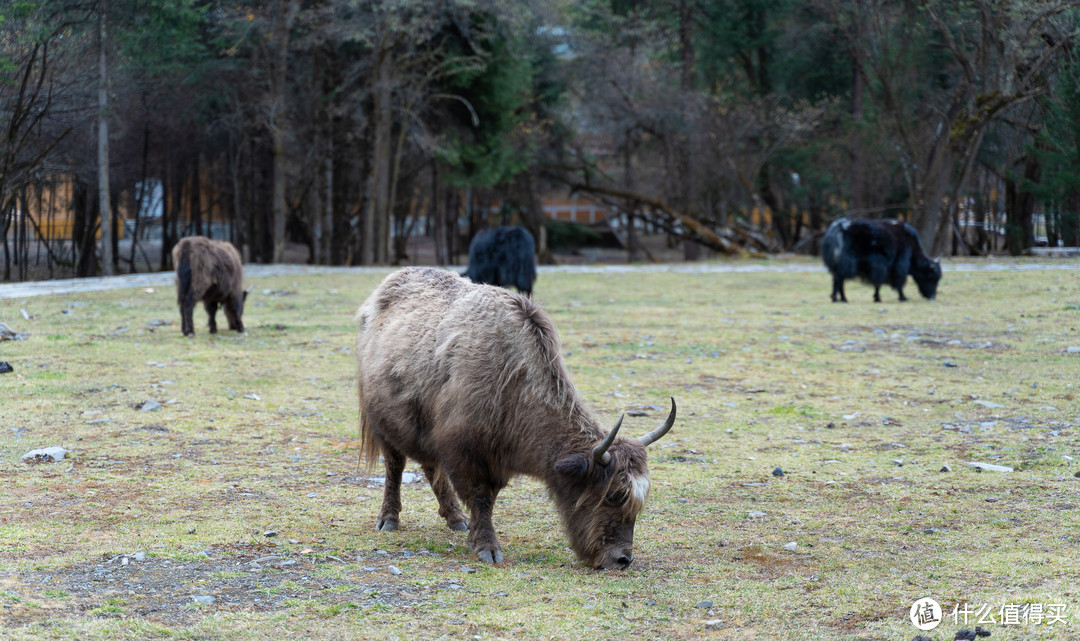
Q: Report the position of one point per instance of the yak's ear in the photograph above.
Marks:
(574, 465)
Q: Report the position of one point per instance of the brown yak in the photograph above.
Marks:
(210, 271)
(468, 380)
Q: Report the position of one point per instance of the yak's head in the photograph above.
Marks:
(602, 492)
(926, 277)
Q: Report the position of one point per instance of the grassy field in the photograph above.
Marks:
(237, 510)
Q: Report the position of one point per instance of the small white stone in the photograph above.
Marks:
(45, 455)
(990, 467)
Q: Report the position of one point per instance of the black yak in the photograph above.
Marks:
(878, 252)
(468, 380)
(503, 256)
(210, 271)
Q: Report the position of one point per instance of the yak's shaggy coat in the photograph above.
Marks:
(879, 252)
(468, 380)
(503, 256)
(210, 271)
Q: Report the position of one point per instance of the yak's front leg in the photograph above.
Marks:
(482, 538)
(838, 290)
(211, 311)
(448, 503)
(235, 323)
(391, 505)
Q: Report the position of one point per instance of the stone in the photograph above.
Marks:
(6, 368)
(756, 515)
(705, 605)
(778, 471)
(1072, 349)
(8, 334)
(990, 405)
(394, 570)
(52, 454)
(791, 546)
(203, 599)
(149, 406)
(989, 467)
(714, 624)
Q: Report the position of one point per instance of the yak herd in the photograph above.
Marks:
(468, 380)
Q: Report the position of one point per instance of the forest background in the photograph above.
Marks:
(350, 126)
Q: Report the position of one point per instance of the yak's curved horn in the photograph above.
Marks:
(600, 452)
(659, 432)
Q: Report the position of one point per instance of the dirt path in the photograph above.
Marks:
(159, 279)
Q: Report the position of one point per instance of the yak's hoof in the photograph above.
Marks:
(490, 556)
(386, 525)
(459, 526)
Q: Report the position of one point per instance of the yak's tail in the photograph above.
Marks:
(183, 275)
(370, 450)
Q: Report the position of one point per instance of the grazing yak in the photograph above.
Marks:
(210, 271)
(503, 256)
(878, 252)
(468, 380)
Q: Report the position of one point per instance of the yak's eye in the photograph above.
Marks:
(618, 497)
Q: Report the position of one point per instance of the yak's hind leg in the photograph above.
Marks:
(391, 505)
(448, 503)
(187, 321)
(211, 311)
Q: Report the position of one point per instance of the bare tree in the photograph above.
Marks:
(997, 53)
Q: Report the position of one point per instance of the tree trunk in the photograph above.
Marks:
(435, 227)
(1020, 209)
(85, 230)
(858, 200)
(630, 205)
(378, 218)
(5, 224)
(103, 150)
(283, 18)
(687, 163)
(195, 201)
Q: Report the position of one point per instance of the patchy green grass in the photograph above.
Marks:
(861, 405)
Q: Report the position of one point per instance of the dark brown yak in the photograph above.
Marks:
(210, 271)
(468, 380)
